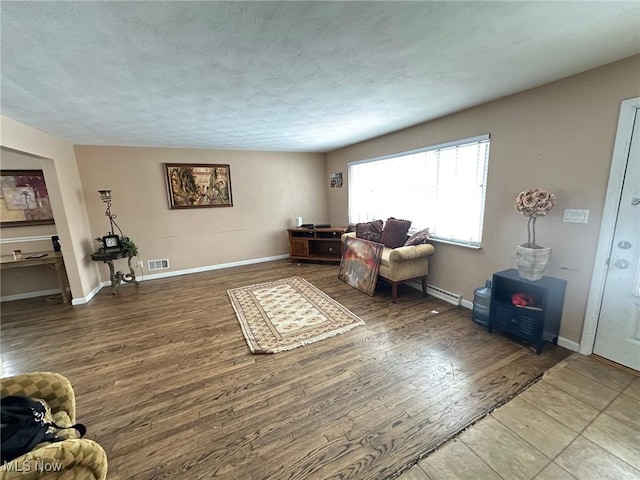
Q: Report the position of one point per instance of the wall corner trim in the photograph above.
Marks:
(87, 299)
(568, 344)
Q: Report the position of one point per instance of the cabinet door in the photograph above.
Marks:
(526, 324)
(299, 247)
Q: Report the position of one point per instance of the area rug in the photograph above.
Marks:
(288, 313)
(360, 264)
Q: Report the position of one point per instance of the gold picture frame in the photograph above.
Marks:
(198, 185)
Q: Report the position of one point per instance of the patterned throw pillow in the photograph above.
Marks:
(418, 238)
(371, 231)
(394, 233)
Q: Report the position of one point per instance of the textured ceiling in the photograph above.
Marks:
(288, 76)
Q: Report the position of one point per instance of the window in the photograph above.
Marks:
(441, 188)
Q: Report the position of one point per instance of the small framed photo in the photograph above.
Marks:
(200, 185)
(336, 180)
(111, 243)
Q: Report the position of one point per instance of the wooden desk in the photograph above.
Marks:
(52, 259)
(116, 277)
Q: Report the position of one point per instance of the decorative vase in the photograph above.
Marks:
(532, 261)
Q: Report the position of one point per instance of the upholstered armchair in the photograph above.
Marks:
(403, 264)
(70, 459)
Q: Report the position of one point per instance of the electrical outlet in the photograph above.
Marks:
(140, 263)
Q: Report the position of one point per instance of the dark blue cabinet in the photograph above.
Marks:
(535, 323)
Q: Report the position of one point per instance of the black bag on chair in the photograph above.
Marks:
(24, 426)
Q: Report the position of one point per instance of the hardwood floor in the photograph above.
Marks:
(166, 383)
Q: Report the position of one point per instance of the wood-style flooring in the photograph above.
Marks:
(166, 383)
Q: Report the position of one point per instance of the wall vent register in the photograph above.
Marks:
(158, 264)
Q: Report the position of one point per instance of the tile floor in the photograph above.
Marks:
(581, 421)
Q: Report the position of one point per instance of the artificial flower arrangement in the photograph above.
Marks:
(534, 203)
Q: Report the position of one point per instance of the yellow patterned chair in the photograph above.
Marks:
(70, 459)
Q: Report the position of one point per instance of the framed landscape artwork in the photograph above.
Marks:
(24, 199)
(199, 185)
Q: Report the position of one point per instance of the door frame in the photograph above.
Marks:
(609, 216)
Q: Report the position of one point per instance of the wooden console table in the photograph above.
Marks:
(116, 277)
(320, 244)
(52, 259)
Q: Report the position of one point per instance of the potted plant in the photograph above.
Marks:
(532, 258)
(129, 248)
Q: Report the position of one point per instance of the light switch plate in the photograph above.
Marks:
(572, 215)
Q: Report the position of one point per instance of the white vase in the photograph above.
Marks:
(532, 261)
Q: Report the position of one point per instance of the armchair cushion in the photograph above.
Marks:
(371, 231)
(418, 238)
(394, 233)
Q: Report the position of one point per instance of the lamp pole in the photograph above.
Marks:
(105, 195)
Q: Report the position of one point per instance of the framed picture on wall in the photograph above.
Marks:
(198, 185)
(24, 199)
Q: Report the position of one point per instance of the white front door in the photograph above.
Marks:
(618, 332)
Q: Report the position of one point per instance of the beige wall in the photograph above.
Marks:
(17, 161)
(67, 201)
(557, 137)
(269, 189)
(25, 280)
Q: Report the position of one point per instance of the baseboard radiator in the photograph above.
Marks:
(441, 293)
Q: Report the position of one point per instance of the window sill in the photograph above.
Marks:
(457, 244)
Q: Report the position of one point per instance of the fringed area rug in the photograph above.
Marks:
(288, 313)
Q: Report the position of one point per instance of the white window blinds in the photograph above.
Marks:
(441, 188)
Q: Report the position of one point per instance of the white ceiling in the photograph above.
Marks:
(287, 76)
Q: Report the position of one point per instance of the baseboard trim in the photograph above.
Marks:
(563, 342)
(208, 268)
(568, 344)
(466, 304)
(176, 273)
(87, 299)
(23, 296)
